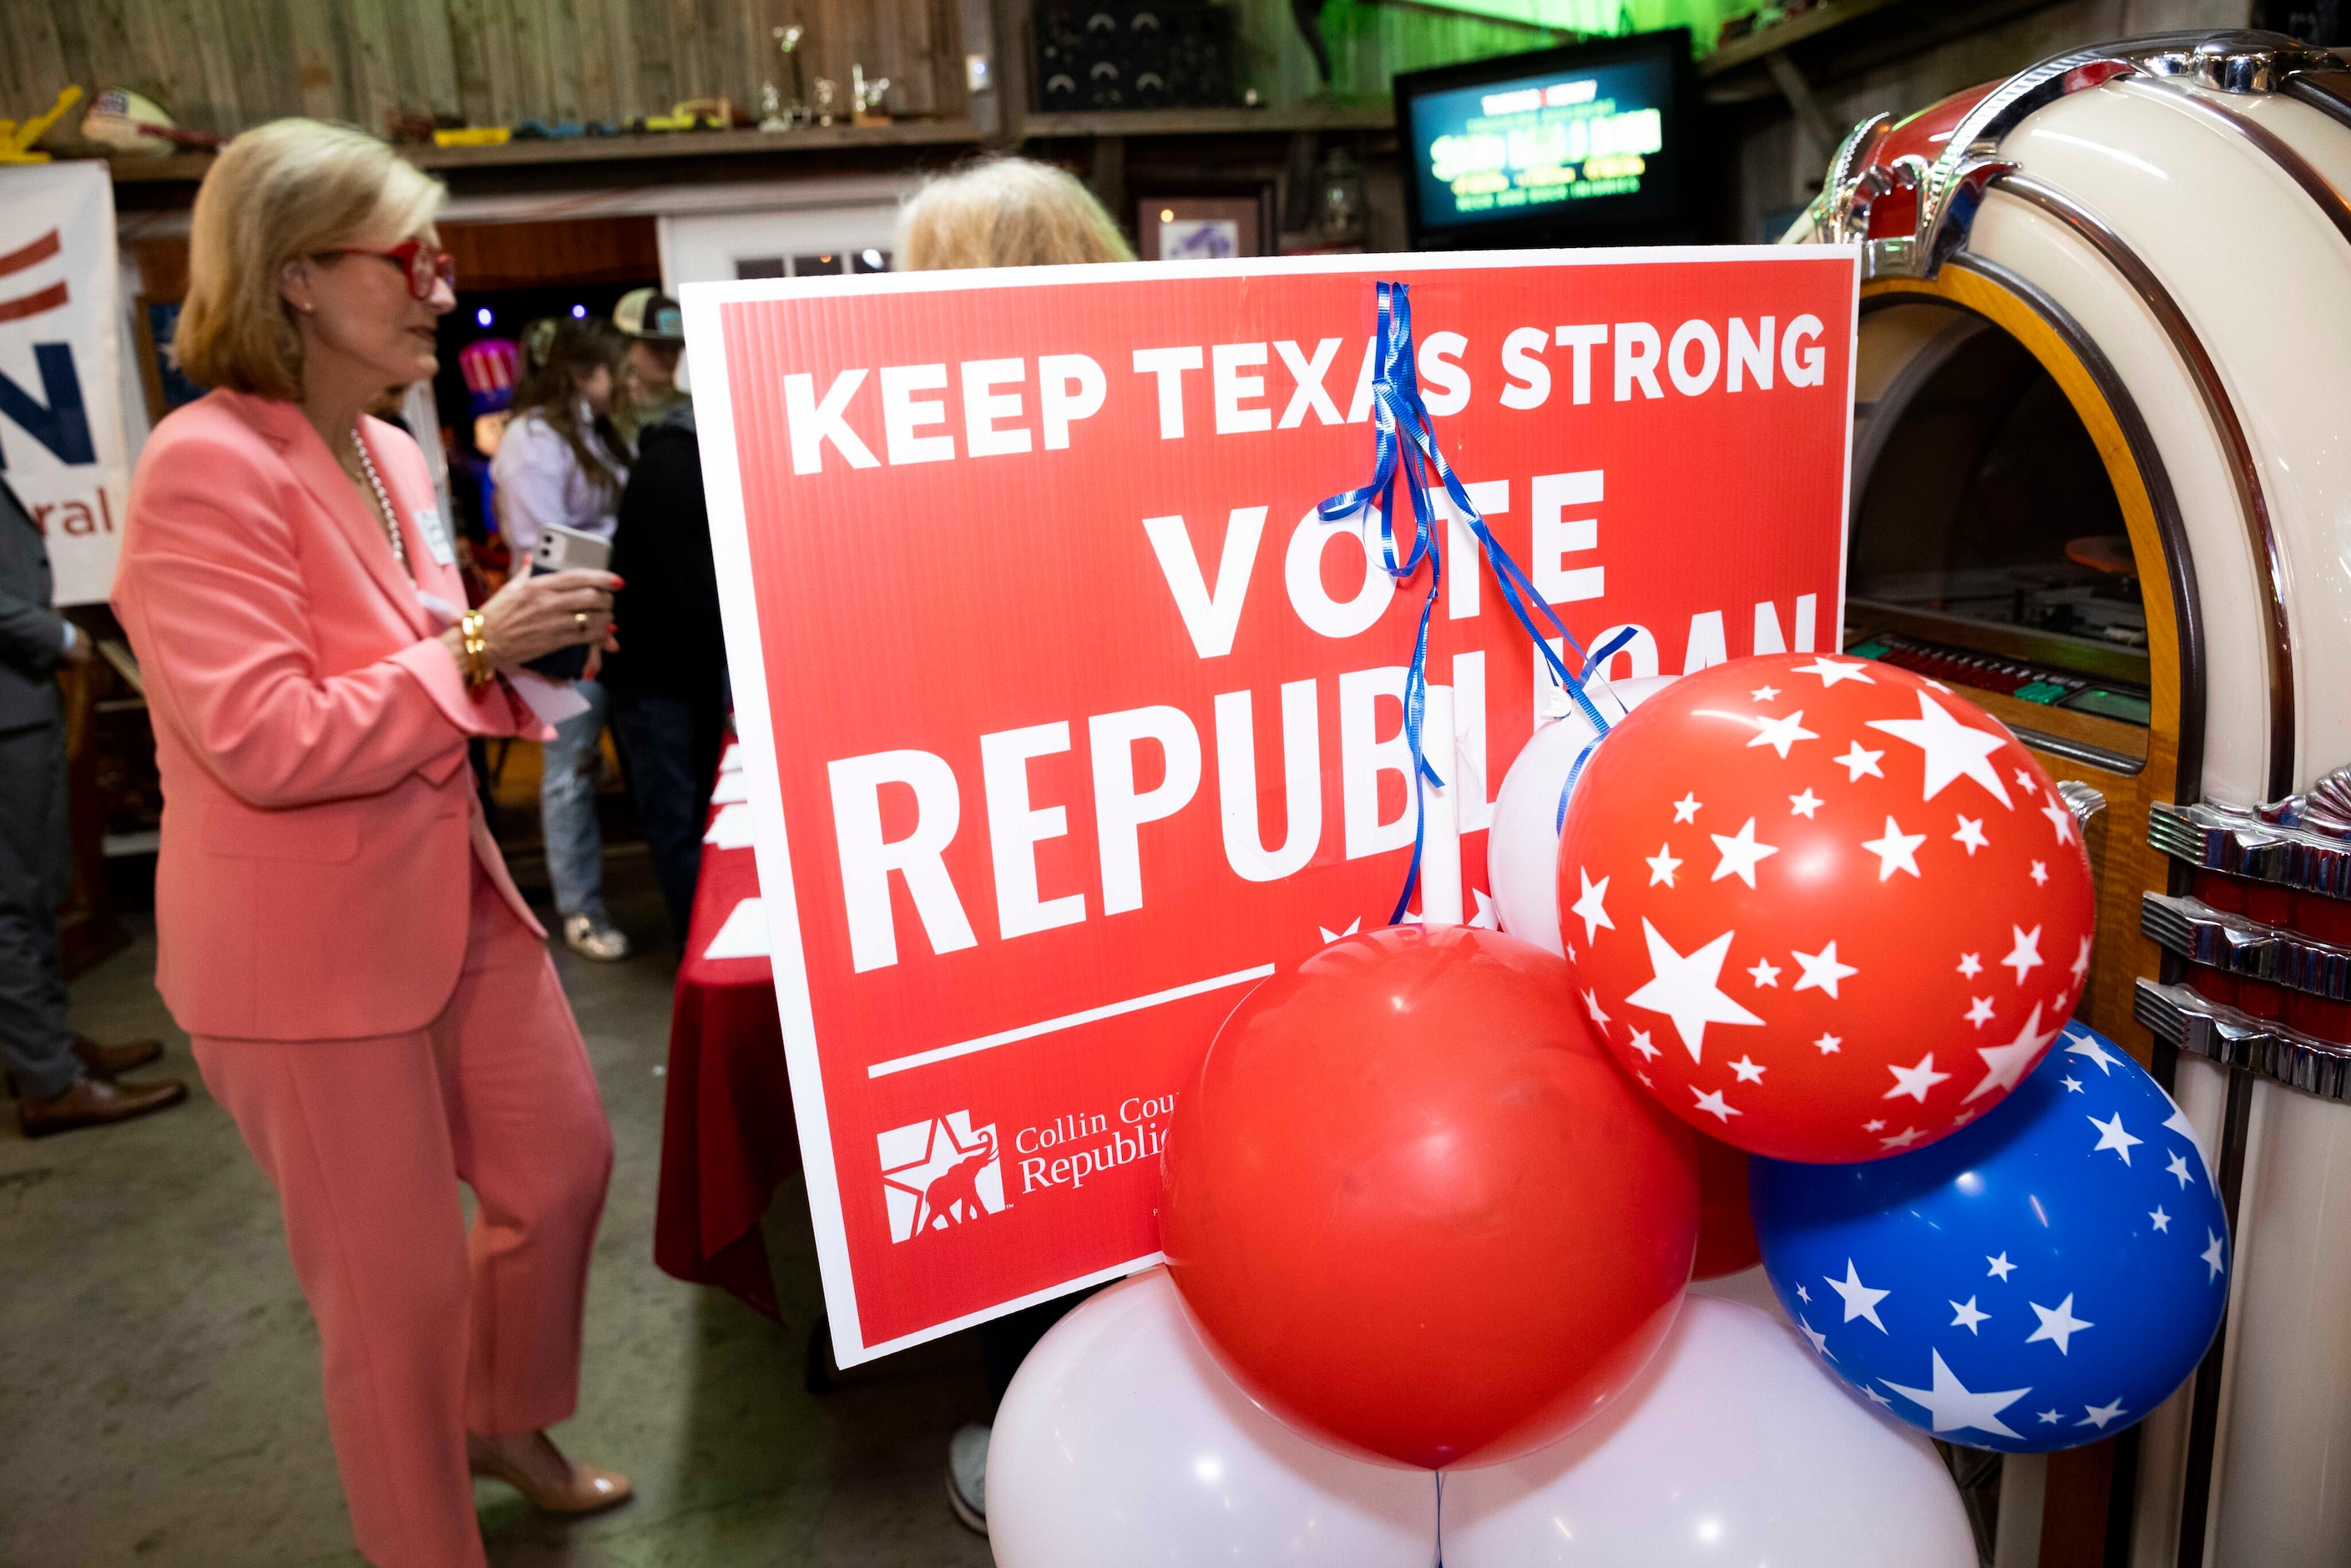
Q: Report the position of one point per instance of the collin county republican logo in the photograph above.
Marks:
(939, 1174)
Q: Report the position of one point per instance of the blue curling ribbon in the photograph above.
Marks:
(1404, 440)
(1600, 657)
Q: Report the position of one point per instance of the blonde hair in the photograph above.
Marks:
(283, 191)
(1005, 211)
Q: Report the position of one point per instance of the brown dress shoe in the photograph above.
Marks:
(93, 1102)
(113, 1060)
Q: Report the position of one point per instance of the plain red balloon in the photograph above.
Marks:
(1726, 1227)
(1418, 1211)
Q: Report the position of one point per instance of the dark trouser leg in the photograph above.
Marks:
(36, 1041)
(673, 746)
(1005, 1343)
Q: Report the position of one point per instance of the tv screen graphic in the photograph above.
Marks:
(1567, 139)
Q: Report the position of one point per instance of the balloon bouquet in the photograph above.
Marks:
(1434, 1194)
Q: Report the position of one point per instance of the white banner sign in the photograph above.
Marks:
(61, 443)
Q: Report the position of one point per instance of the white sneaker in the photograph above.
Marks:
(593, 938)
(967, 1476)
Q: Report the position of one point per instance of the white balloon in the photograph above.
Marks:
(1121, 1442)
(1523, 845)
(1748, 1287)
(1733, 1447)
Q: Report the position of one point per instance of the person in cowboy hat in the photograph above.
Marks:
(669, 688)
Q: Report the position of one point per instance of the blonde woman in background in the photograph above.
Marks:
(1005, 211)
(1002, 212)
(368, 995)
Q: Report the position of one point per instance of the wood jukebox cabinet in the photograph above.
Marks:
(2102, 478)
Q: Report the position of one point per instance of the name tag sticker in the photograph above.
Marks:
(437, 537)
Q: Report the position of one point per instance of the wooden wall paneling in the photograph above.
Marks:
(434, 91)
(768, 16)
(895, 43)
(689, 74)
(225, 65)
(152, 32)
(1013, 63)
(624, 39)
(834, 39)
(727, 72)
(657, 80)
(469, 60)
(932, 32)
(372, 65)
(948, 50)
(748, 23)
(232, 55)
(566, 46)
(31, 61)
(215, 51)
(607, 58)
(316, 70)
(73, 49)
(261, 43)
(507, 72)
(110, 58)
(525, 23)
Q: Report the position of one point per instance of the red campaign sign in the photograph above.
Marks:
(1067, 720)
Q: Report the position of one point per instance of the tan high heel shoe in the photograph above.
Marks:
(589, 1490)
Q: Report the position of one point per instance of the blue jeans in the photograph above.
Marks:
(567, 808)
(671, 745)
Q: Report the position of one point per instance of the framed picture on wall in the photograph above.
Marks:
(1200, 228)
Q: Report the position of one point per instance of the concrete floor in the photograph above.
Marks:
(159, 1381)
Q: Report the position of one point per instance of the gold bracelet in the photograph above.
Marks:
(478, 669)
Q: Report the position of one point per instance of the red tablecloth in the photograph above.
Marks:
(728, 1132)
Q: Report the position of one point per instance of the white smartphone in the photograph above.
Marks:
(568, 549)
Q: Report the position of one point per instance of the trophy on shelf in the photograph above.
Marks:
(866, 95)
(781, 111)
(823, 96)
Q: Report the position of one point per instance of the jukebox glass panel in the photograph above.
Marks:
(1988, 547)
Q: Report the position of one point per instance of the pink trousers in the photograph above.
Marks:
(428, 1334)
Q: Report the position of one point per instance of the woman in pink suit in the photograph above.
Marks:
(369, 995)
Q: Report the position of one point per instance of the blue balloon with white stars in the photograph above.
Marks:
(2039, 1280)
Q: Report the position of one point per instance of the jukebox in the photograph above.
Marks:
(2102, 479)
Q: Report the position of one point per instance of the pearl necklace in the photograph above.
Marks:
(384, 500)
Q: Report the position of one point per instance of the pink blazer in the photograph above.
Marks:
(318, 816)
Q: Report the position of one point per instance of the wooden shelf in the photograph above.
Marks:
(1845, 40)
(1785, 34)
(622, 149)
(1209, 122)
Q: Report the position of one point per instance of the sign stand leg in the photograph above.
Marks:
(1440, 853)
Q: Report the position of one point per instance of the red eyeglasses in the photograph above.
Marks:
(422, 264)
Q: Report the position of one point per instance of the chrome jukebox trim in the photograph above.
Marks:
(1950, 187)
(2244, 471)
(2262, 1046)
(2235, 62)
(2240, 945)
(2227, 838)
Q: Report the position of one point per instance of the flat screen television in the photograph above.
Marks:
(1581, 145)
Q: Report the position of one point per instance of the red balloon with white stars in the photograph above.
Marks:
(1823, 908)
